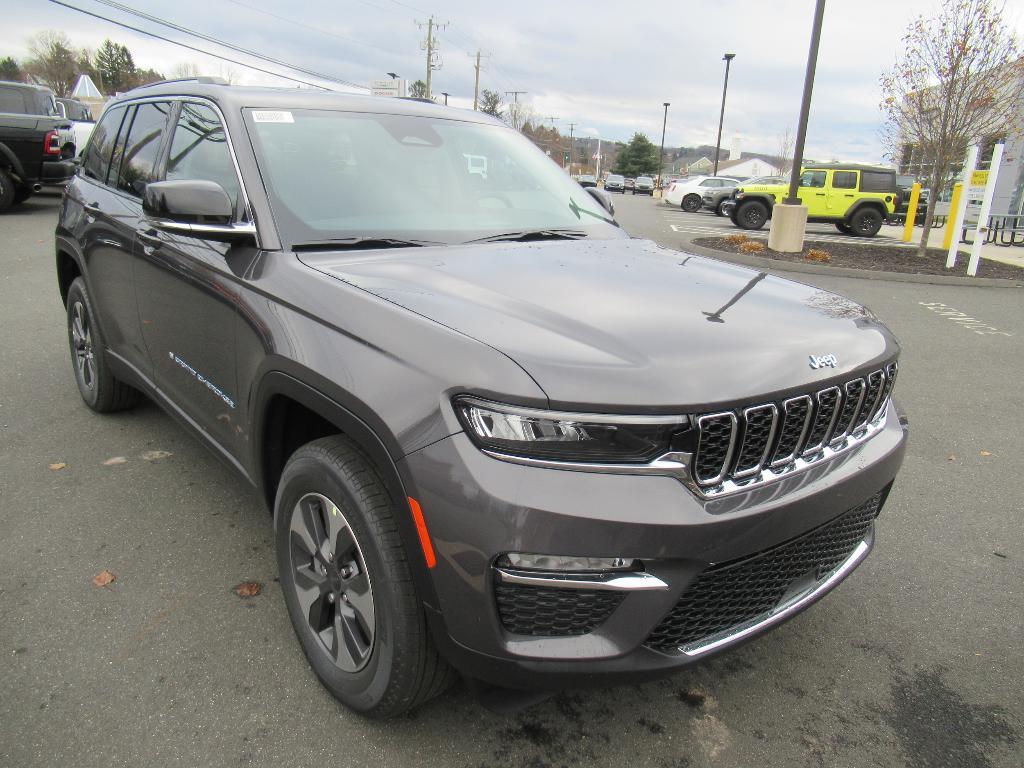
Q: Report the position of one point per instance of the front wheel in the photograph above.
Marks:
(100, 390)
(718, 209)
(866, 222)
(7, 192)
(692, 203)
(843, 227)
(751, 215)
(347, 582)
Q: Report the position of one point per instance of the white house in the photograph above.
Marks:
(747, 168)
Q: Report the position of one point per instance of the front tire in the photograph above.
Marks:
(751, 215)
(347, 582)
(692, 203)
(100, 390)
(6, 190)
(843, 227)
(718, 209)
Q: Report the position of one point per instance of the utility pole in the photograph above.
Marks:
(721, 115)
(661, 157)
(476, 85)
(572, 128)
(430, 46)
(514, 95)
(446, 95)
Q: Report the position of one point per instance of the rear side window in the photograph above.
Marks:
(12, 100)
(142, 147)
(199, 150)
(101, 145)
(875, 181)
(844, 179)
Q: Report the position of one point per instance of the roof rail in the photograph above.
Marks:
(203, 80)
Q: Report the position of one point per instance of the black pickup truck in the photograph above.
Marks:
(33, 149)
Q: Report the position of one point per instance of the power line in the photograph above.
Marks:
(186, 45)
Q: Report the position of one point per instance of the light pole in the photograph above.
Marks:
(446, 95)
(721, 115)
(661, 157)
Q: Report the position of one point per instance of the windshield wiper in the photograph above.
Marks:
(530, 235)
(362, 243)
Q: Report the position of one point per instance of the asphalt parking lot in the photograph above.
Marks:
(915, 660)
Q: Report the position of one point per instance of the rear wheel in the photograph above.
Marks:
(6, 190)
(866, 222)
(100, 390)
(21, 195)
(751, 215)
(692, 203)
(718, 209)
(347, 582)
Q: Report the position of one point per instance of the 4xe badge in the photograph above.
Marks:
(822, 361)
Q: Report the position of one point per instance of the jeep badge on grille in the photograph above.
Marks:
(822, 361)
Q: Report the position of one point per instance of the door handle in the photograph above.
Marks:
(150, 240)
(820, 194)
(90, 211)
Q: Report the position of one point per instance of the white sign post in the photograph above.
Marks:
(986, 205)
(958, 214)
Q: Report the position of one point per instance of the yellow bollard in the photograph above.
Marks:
(954, 206)
(908, 228)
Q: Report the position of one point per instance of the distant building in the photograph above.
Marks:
(748, 167)
(700, 167)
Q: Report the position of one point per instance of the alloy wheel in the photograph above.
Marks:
(81, 342)
(331, 581)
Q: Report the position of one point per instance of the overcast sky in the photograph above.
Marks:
(605, 67)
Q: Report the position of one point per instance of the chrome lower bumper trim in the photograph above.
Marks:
(625, 581)
(782, 611)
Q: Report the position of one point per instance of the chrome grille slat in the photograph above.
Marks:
(758, 433)
(767, 440)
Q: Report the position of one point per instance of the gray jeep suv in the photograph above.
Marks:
(497, 436)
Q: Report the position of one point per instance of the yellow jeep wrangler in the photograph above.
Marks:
(856, 198)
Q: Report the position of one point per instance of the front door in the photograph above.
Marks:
(188, 290)
(812, 192)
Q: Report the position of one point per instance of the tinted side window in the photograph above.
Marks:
(199, 150)
(12, 100)
(813, 178)
(101, 145)
(875, 181)
(142, 148)
(844, 179)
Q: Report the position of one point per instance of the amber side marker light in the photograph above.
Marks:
(421, 530)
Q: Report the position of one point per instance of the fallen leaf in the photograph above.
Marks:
(999, 554)
(248, 589)
(155, 455)
(57, 465)
(951, 457)
(114, 460)
(103, 578)
(986, 453)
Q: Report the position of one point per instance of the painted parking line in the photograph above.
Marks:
(962, 319)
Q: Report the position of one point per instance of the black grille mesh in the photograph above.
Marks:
(851, 407)
(875, 382)
(713, 449)
(828, 401)
(727, 595)
(792, 427)
(756, 434)
(529, 610)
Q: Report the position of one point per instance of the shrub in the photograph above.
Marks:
(739, 239)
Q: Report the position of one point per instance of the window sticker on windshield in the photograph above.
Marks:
(271, 116)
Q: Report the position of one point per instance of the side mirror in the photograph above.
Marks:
(603, 198)
(194, 207)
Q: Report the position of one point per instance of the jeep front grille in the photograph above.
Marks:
(760, 442)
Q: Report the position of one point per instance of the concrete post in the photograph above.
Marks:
(787, 230)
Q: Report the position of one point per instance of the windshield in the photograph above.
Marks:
(335, 175)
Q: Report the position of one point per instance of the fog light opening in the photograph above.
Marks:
(523, 561)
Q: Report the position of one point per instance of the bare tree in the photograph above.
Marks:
(53, 61)
(957, 80)
(185, 70)
(785, 152)
(518, 114)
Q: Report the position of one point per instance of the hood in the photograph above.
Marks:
(625, 324)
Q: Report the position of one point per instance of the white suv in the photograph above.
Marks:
(689, 193)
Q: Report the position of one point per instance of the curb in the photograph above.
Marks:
(778, 265)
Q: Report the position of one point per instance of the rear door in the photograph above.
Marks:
(842, 192)
(188, 287)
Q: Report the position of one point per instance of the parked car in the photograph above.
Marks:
(33, 147)
(722, 201)
(688, 193)
(644, 185)
(472, 466)
(613, 182)
(81, 119)
(586, 180)
(856, 198)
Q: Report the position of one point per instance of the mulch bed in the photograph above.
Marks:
(880, 258)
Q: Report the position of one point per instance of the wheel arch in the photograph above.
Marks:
(8, 160)
(69, 266)
(860, 205)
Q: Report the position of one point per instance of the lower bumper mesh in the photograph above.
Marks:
(730, 594)
(552, 612)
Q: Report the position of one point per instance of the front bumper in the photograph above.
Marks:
(478, 508)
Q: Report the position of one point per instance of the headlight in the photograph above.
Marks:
(567, 437)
